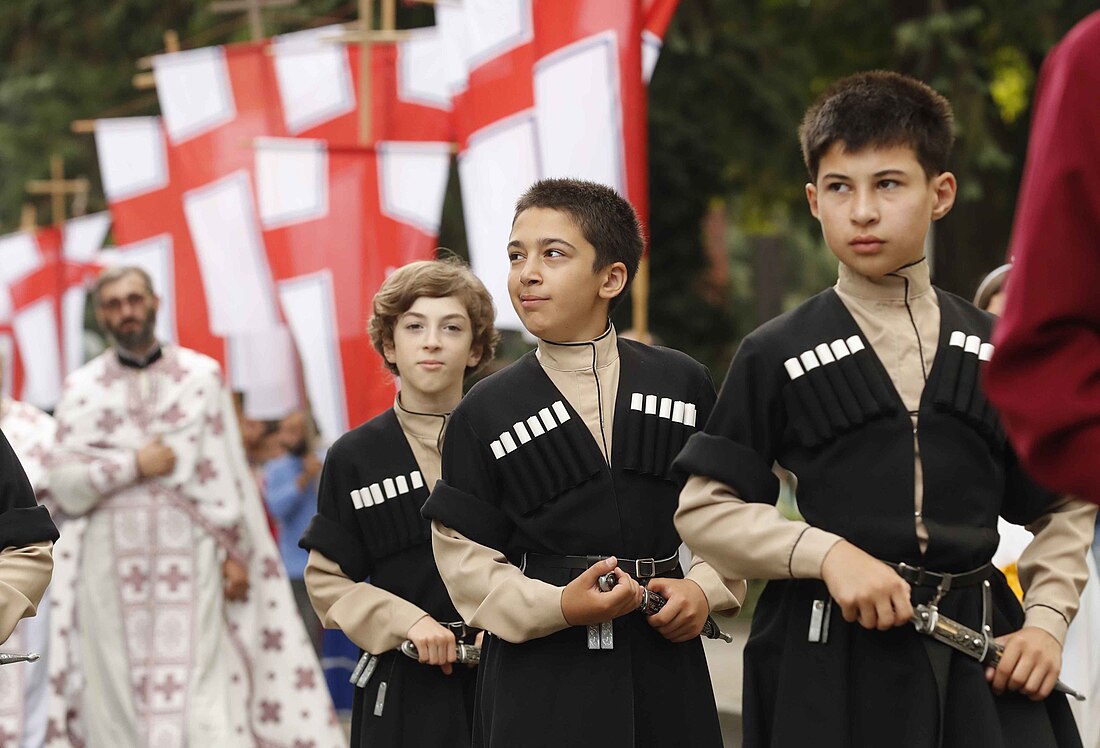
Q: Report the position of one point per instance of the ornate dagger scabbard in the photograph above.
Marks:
(977, 645)
(7, 659)
(652, 602)
(466, 654)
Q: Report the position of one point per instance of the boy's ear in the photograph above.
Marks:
(389, 351)
(811, 198)
(474, 358)
(945, 188)
(612, 280)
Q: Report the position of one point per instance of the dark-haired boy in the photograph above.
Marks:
(557, 470)
(870, 394)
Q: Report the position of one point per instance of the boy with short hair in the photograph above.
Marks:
(432, 323)
(557, 470)
(870, 394)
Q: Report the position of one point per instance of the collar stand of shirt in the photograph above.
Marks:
(134, 361)
(892, 287)
(420, 425)
(578, 356)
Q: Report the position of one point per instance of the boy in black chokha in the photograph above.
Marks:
(870, 393)
(433, 323)
(557, 470)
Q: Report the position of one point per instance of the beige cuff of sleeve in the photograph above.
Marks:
(24, 575)
(385, 628)
(809, 552)
(719, 596)
(1049, 620)
(522, 613)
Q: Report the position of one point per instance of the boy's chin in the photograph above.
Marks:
(873, 266)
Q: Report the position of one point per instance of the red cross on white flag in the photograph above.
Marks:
(42, 298)
(553, 88)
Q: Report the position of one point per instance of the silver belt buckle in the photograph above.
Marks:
(650, 566)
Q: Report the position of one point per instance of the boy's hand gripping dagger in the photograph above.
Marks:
(977, 645)
(652, 602)
(465, 654)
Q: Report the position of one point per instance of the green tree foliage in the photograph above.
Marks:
(726, 99)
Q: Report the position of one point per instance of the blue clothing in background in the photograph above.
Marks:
(292, 508)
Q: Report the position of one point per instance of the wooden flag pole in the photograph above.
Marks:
(254, 9)
(366, 23)
(365, 36)
(389, 15)
(28, 217)
(171, 44)
(57, 187)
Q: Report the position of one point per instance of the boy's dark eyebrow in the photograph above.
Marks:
(883, 173)
(542, 242)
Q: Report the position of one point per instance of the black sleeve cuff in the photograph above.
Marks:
(334, 542)
(469, 515)
(734, 464)
(24, 526)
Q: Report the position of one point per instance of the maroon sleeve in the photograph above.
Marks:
(1045, 375)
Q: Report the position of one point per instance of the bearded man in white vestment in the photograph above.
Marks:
(30, 432)
(179, 620)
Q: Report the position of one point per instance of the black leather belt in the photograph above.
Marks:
(918, 576)
(639, 568)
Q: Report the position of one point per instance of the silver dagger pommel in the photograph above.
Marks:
(7, 659)
(652, 602)
(466, 654)
(974, 644)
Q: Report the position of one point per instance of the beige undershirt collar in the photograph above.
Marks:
(423, 432)
(578, 356)
(420, 425)
(891, 287)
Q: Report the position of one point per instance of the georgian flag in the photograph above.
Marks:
(336, 222)
(548, 88)
(42, 298)
(291, 237)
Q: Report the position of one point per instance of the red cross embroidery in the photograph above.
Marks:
(108, 422)
(110, 375)
(170, 367)
(216, 423)
(273, 640)
(136, 578)
(53, 731)
(173, 415)
(269, 711)
(169, 687)
(204, 471)
(305, 678)
(271, 568)
(174, 578)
